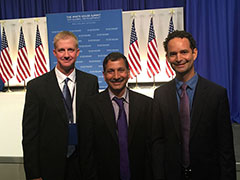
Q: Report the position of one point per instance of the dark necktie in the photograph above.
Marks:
(123, 140)
(69, 111)
(68, 100)
(185, 124)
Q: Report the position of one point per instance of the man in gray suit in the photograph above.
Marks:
(49, 133)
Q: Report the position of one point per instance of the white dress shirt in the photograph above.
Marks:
(71, 85)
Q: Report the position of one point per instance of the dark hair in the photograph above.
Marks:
(114, 56)
(179, 34)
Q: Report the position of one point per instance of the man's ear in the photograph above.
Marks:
(104, 75)
(195, 53)
(54, 52)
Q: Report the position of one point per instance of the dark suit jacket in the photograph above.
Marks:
(211, 141)
(99, 141)
(45, 124)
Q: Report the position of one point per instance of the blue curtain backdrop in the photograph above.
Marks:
(214, 24)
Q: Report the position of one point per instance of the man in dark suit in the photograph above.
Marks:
(192, 133)
(47, 129)
(102, 146)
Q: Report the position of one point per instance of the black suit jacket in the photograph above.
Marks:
(211, 141)
(99, 141)
(45, 124)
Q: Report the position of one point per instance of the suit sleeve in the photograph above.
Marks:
(95, 87)
(225, 141)
(157, 140)
(86, 141)
(30, 140)
(148, 165)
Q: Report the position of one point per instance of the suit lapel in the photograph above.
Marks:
(133, 115)
(55, 94)
(106, 108)
(173, 107)
(80, 91)
(198, 104)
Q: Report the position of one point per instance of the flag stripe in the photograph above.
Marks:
(23, 66)
(133, 53)
(134, 61)
(6, 71)
(132, 65)
(168, 69)
(40, 64)
(167, 73)
(6, 64)
(153, 65)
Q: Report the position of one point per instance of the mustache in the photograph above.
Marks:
(180, 62)
(116, 80)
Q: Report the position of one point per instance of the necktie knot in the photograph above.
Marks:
(184, 86)
(67, 100)
(66, 91)
(66, 81)
(119, 101)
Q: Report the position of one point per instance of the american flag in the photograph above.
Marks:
(40, 64)
(6, 71)
(168, 68)
(23, 67)
(133, 54)
(153, 65)
(171, 26)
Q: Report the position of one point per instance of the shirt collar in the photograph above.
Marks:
(125, 96)
(61, 77)
(191, 82)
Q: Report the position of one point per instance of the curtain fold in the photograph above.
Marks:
(215, 26)
(13, 9)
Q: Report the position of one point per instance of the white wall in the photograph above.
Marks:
(11, 110)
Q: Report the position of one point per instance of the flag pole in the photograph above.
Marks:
(154, 82)
(171, 12)
(36, 20)
(136, 87)
(8, 87)
(24, 85)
